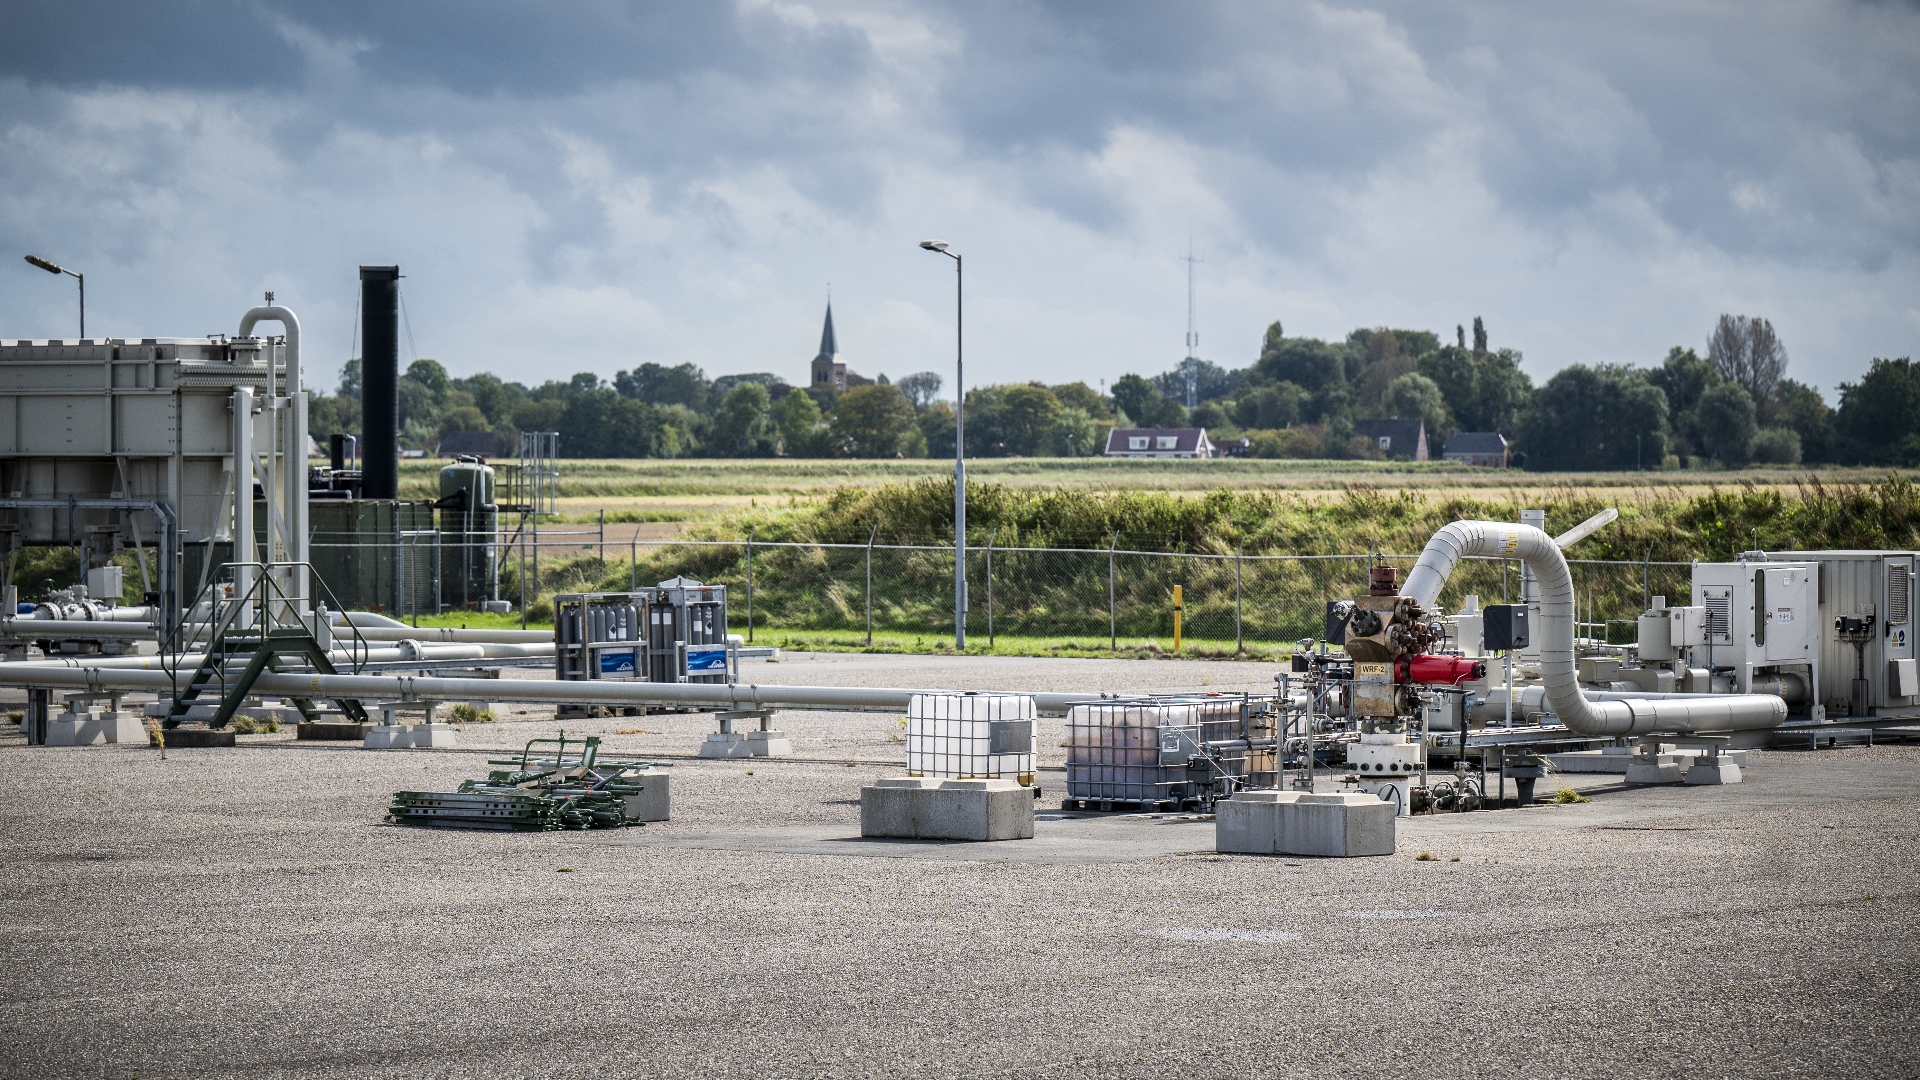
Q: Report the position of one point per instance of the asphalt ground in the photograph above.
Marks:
(247, 913)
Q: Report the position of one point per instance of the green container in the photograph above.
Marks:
(468, 534)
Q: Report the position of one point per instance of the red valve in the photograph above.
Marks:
(1447, 670)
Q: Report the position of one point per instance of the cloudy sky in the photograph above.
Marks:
(579, 185)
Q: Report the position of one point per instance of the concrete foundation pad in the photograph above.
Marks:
(65, 730)
(388, 737)
(1710, 771)
(654, 800)
(769, 744)
(428, 735)
(927, 808)
(192, 737)
(94, 727)
(333, 732)
(1334, 825)
(723, 744)
(1665, 769)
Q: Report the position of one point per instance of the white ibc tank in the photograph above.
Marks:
(971, 736)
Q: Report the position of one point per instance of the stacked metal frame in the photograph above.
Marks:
(1167, 752)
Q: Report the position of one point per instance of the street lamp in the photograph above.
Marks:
(55, 268)
(959, 451)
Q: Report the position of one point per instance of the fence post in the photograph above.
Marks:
(1179, 608)
(1239, 640)
(870, 536)
(749, 584)
(990, 539)
(523, 570)
(633, 560)
(1113, 626)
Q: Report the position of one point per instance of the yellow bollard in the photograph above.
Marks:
(1179, 608)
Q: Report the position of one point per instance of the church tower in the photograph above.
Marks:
(828, 370)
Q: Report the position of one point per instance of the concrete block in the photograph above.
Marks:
(1249, 822)
(199, 737)
(928, 808)
(334, 731)
(1665, 769)
(1342, 825)
(388, 737)
(125, 728)
(74, 729)
(1714, 771)
(654, 801)
(726, 744)
(769, 744)
(428, 735)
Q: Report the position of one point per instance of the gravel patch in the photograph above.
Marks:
(246, 913)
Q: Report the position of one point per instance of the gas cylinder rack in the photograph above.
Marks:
(675, 632)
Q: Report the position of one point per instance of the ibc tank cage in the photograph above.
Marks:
(674, 632)
(1168, 752)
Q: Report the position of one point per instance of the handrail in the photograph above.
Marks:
(262, 593)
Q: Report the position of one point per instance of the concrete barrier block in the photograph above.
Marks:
(388, 737)
(1347, 824)
(769, 744)
(654, 800)
(1249, 822)
(926, 808)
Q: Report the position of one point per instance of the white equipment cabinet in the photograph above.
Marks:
(1755, 616)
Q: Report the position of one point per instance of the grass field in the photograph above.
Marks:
(681, 492)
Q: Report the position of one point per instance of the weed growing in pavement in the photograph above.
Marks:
(468, 714)
(1567, 795)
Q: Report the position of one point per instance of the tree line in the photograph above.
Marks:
(1299, 398)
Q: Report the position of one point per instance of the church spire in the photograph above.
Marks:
(829, 348)
(828, 369)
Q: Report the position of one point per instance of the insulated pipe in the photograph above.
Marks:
(244, 550)
(740, 696)
(401, 653)
(1553, 640)
(293, 472)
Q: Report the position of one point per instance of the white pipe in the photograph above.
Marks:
(401, 653)
(732, 696)
(1553, 640)
(293, 442)
(243, 547)
(102, 627)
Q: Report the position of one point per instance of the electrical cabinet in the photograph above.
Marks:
(1753, 615)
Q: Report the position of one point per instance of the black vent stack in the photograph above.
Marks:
(380, 381)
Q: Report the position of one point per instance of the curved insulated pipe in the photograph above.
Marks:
(1554, 639)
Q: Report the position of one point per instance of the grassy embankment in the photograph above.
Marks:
(1056, 601)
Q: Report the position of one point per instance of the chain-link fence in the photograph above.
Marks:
(1095, 597)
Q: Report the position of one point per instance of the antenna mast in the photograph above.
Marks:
(1192, 362)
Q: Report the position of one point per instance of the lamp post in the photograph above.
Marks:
(959, 451)
(55, 268)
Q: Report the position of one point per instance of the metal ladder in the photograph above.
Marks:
(264, 647)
